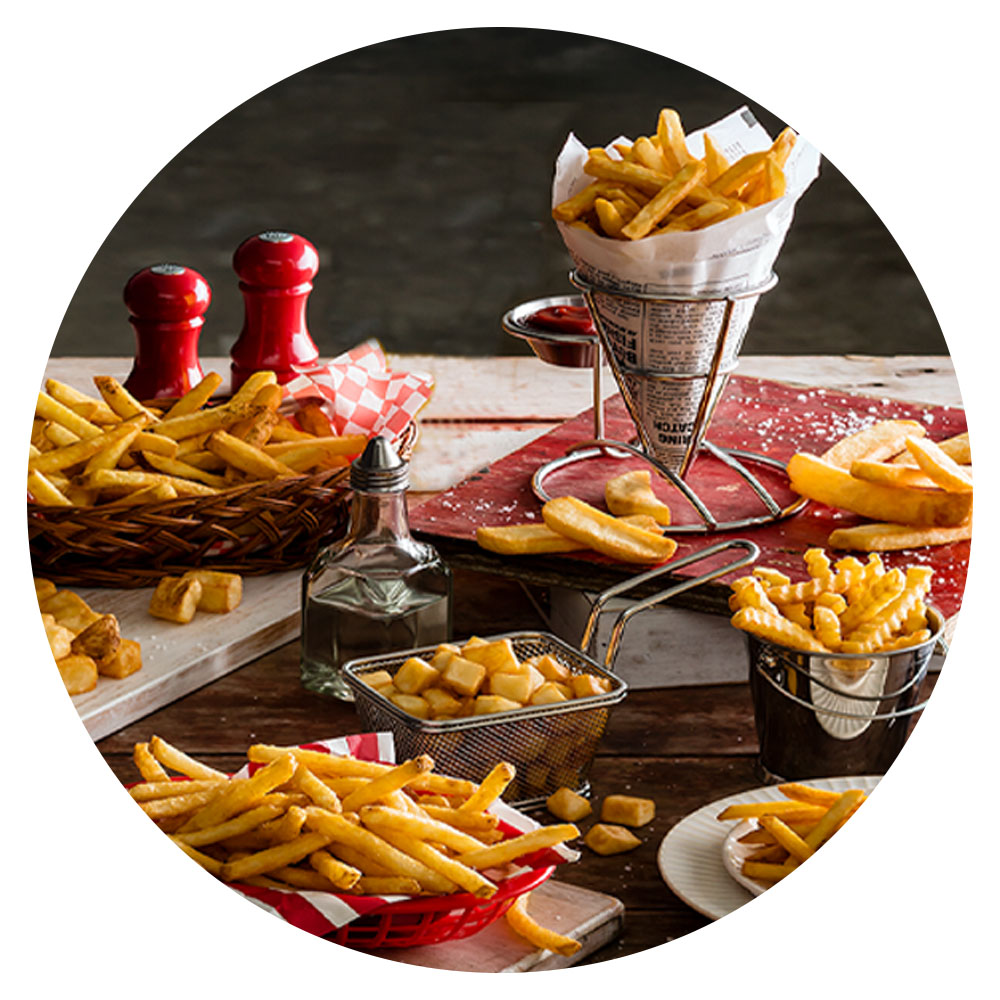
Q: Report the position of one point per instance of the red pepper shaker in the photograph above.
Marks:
(275, 271)
(166, 304)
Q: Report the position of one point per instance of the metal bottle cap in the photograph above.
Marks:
(378, 469)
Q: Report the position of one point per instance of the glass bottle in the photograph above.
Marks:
(377, 590)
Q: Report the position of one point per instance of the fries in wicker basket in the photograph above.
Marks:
(847, 607)
(87, 451)
(306, 819)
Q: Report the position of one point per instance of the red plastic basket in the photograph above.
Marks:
(433, 919)
(423, 920)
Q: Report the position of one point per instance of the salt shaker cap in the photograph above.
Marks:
(379, 469)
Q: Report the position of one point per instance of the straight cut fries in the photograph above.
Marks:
(655, 185)
(286, 827)
(785, 834)
(849, 607)
(917, 491)
(114, 450)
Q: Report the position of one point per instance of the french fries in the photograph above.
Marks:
(789, 831)
(655, 185)
(112, 449)
(247, 829)
(849, 607)
(917, 492)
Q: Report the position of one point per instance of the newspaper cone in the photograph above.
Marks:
(664, 352)
(666, 362)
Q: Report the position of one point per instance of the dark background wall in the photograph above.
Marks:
(421, 169)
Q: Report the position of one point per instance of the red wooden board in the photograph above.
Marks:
(767, 417)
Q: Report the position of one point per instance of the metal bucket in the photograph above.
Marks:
(826, 714)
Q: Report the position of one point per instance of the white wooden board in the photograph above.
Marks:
(591, 918)
(177, 659)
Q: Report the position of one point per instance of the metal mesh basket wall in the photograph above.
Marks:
(551, 746)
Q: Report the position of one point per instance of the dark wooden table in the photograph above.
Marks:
(682, 747)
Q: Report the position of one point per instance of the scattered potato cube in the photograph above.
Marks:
(548, 694)
(413, 704)
(496, 657)
(377, 679)
(220, 592)
(100, 639)
(463, 676)
(627, 810)
(551, 669)
(486, 704)
(442, 704)
(126, 659)
(602, 838)
(414, 676)
(69, 610)
(175, 599)
(588, 685)
(566, 805)
(60, 638)
(78, 672)
(516, 687)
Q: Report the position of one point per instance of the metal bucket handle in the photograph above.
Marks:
(789, 664)
(751, 553)
(881, 717)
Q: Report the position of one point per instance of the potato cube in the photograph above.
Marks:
(627, 810)
(69, 610)
(442, 704)
(486, 704)
(605, 839)
(515, 687)
(125, 660)
(496, 657)
(548, 694)
(100, 639)
(377, 679)
(220, 592)
(78, 672)
(564, 689)
(60, 638)
(412, 704)
(551, 669)
(535, 679)
(463, 676)
(44, 589)
(414, 676)
(175, 599)
(472, 643)
(443, 654)
(566, 805)
(587, 685)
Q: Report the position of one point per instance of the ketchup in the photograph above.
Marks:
(563, 319)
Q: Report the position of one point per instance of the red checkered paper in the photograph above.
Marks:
(321, 913)
(360, 395)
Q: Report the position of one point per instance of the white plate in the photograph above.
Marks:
(690, 855)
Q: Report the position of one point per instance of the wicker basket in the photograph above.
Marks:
(254, 529)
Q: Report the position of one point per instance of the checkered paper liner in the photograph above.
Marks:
(320, 913)
(360, 395)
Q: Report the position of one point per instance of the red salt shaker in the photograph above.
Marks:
(275, 270)
(166, 305)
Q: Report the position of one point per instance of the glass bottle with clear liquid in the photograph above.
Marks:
(378, 590)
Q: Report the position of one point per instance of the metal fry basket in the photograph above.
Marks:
(551, 746)
(830, 714)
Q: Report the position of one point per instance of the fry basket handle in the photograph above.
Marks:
(750, 550)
